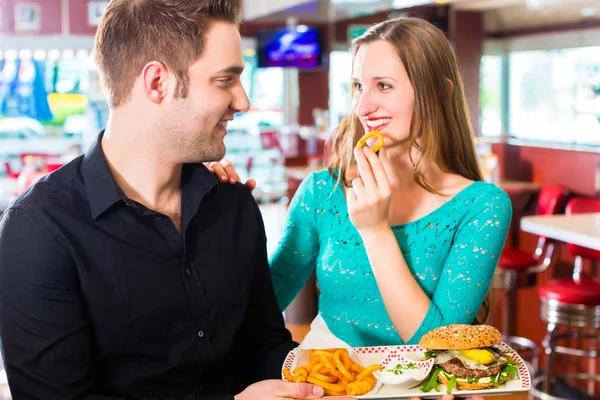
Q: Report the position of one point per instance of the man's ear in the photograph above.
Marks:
(155, 81)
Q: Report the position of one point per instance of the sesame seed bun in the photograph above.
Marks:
(461, 337)
(466, 385)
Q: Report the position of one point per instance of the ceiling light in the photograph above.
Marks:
(409, 3)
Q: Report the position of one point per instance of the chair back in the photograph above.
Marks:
(551, 200)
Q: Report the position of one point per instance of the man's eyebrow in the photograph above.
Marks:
(234, 69)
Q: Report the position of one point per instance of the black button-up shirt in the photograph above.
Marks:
(101, 296)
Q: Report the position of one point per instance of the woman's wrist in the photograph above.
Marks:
(376, 236)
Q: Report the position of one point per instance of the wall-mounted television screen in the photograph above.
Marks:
(300, 47)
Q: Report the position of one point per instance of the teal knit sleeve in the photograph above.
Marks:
(468, 271)
(295, 257)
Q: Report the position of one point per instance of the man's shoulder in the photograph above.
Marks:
(236, 196)
(58, 187)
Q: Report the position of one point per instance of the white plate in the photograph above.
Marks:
(376, 355)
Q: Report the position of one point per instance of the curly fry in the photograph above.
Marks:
(344, 382)
(347, 361)
(368, 371)
(321, 353)
(356, 368)
(316, 369)
(358, 388)
(300, 371)
(325, 385)
(336, 373)
(288, 375)
(341, 367)
(312, 363)
(325, 378)
(300, 379)
(332, 393)
(372, 380)
(325, 361)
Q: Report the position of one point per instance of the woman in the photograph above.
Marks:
(407, 240)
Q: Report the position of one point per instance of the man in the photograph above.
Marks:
(131, 273)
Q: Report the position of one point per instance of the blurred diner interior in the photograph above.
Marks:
(531, 71)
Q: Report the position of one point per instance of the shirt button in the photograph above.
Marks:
(187, 272)
(201, 333)
(160, 217)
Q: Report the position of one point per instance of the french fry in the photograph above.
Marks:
(326, 361)
(300, 371)
(340, 365)
(335, 372)
(334, 387)
(359, 388)
(325, 378)
(288, 375)
(356, 368)
(321, 353)
(368, 371)
(300, 379)
(332, 393)
(316, 369)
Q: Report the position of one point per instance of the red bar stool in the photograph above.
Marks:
(519, 269)
(571, 307)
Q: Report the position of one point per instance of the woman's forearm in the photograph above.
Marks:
(406, 303)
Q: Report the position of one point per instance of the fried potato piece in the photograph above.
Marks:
(335, 372)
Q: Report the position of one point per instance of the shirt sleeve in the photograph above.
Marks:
(295, 257)
(264, 340)
(44, 326)
(468, 271)
(45, 329)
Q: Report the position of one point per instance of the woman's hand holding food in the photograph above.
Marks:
(369, 197)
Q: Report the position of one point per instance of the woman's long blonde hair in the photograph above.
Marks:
(440, 129)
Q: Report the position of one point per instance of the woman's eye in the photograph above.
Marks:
(384, 86)
(357, 85)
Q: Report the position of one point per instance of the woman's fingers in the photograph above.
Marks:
(377, 171)
(230, 171)
(360, 190)
(364, 168)
(219, 171)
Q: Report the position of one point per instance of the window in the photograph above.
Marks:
(340, 74)
(490, 96)
(95, 11)
(27, 17)
(555, 95)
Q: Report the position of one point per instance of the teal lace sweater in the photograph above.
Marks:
(452, 253)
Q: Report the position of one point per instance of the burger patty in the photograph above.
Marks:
(456, 367)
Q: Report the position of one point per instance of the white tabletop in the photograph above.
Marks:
(579, 229)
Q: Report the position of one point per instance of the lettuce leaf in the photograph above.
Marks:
(431, 382)
(430, 354)
(451, 383)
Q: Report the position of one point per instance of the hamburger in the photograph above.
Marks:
(467, 357)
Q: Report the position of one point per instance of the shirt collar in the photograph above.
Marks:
(101, 187)
(103, 191)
